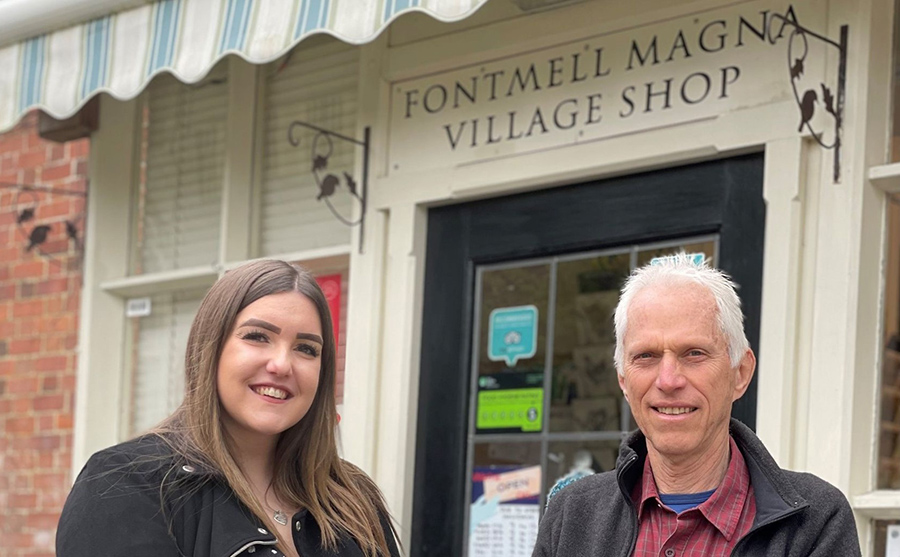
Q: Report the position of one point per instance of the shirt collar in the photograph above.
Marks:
(723, 508)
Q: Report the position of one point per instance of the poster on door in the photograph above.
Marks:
(505, 511)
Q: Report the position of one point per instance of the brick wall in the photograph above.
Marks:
(39, 302)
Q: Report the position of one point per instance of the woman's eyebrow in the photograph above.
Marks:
(310, 336)
(262, 324)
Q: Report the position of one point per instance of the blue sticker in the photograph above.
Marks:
(512, 334)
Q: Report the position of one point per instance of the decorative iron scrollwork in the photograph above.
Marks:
(328, 182)
(36, 230)
(806, 101)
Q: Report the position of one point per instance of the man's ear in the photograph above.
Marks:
(744, 373)
(621, 377)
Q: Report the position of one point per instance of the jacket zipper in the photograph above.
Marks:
(634, 518)
(763, 525)
(254, 542)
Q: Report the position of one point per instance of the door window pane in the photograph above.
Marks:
(512, 348)
(505, 499)
(574, 458)
(585, 394)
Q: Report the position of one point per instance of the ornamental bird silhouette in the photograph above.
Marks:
(327, 186)
(807, 107)
(26, 215)
(38, 236)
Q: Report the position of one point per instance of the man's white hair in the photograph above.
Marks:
(678, 270)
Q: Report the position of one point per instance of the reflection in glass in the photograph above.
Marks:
(887, 534)
(585, 393)
(706, 248)
(573, 458)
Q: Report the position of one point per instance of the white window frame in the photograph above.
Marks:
(102, 396)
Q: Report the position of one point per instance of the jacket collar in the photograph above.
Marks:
(774, 493)
(233, 528)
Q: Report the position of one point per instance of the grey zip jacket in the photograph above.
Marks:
(797, 514)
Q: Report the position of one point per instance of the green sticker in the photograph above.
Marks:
(510, 409)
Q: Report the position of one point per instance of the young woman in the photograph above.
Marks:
(248, 464)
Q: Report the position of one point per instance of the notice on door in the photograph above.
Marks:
(510, 409)
(512, 334)
(505, 511)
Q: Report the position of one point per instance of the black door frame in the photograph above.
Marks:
(722, 196)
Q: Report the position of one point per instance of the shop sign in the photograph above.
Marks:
(622, 82)
(512, 334)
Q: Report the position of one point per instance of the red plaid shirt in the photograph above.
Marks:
(710, 530)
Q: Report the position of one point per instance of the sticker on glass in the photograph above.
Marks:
(512, 334)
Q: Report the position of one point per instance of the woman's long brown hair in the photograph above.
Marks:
(308, 471)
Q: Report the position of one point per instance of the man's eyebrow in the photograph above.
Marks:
(261, 324)
(310, 336)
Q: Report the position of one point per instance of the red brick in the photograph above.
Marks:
(59, 207)
(21, 460)
(29, 269)
(48, 402)
(45, 423)
(22, 500)
(22, 385)
(7, 367)
(42, 520)
(56, 171)
(9, 253)
(32, 159)
(50, 480)
(11, 143)
(21, 482)
(56, 151)
(49, 383)
(79, 148)
(51, 363)
(46, 442)
(28, 346)
(45, 460)
(53, 286)
(28, 308)
(19, 426)
(7, 292)
(64, 421)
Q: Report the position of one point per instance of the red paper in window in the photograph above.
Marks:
(331, 286)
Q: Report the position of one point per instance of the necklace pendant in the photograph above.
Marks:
(280, 517)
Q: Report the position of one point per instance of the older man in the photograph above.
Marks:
(691, 482)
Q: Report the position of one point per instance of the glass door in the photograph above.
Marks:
(545, 403)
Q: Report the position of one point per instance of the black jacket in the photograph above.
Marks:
(797, 514)
(114, 510)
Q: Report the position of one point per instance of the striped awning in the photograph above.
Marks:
(120, 53)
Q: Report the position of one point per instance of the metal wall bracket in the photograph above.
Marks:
(321, 150)
(36, 232)
(806, 102)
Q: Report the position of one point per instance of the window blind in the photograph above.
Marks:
(180, 207)
(317, 85)
(158, 361)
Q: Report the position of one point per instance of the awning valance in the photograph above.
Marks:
(120, 53)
